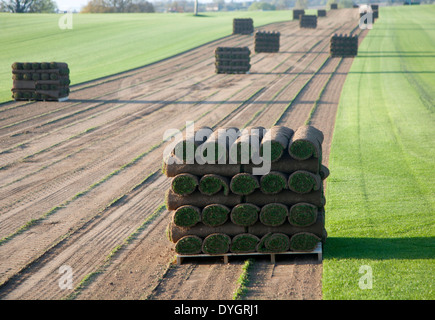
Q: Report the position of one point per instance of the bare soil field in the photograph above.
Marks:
(80, 181)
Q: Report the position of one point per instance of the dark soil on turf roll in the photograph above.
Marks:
(175, 233)
(304, 242)
(302, 214)
(215, 215)
(304, 181)
(287, 197)
(244, 243)
(273, 214)
(324, 172)
(247, 145)
(244, 183)
(170, 168)
(218, 145)
(211, 184)
(216, 243)
(306, 143)
(197, 199)
(186, 216)
(184, 183)
(189, 245)
(273, 182)
(273, 242)
(279, 138)
(245, 214)
(186, 148)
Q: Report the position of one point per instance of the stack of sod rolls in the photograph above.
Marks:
(334, 6)
(308, 21)
(40, 81)
(266, 41)
(227, 206)
(321, 13)
(243, 26)
(297, 13)
(232, 59)
(344, 45)
(375, 9)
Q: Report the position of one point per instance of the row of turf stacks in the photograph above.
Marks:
(232, 59)
(243, 26)
(40, 81)
(344, 45)
(227, 207)
(297, 13)
(266, 41)
(308, 21)
(321, 13)
(334, 6)
(375, 10)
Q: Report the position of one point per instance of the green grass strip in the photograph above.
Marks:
(243, 280)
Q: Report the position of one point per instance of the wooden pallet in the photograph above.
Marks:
(317, 250)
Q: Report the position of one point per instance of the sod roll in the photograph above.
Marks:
(302, 214)
(197, 199)
(305, 143)
(244, 243)
(244, 183)
(171, 168)
(186, 216)
(211, 184)
(274, 242)
(273, 182)
(216, 243)
(324, 172)
(287, 197)
(184, 183)
(215, 215)
(304, 241)
(304, 181)
(273, 214)
(175, 233)
(244, 214)
(247, 145)
(216, 148)
(188, 146)
(189, 245)
(279, 138)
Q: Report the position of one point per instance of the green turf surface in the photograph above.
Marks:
(103, 44)
(380, 210)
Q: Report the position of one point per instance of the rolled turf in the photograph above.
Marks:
(171, 168)
(189, 245)
(273, 182)
(187, 216)
(201, 230)
(211, 184)
(302, 214)
(215, 215)
(279, 138)
(247, 145)
(216, 148)
(303, 181)
(244, 214)
(187, 148)
(305, 143)
(244, 183)
(244, 243)
(324, 172)
(216, 243)
(273, 214)
(287, 197)
(184, 183)
(304, 241)
(197, 199)
(274, 242)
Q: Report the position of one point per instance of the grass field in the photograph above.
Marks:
(103, 44)
(381, 192)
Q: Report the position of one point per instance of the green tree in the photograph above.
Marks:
(262, 6)
(120, 6)
(301, 4)
(43, 6)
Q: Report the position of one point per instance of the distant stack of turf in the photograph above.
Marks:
(334, 6)
(232, 59)
(226, 207)
(297, 13)
(321, 13)
(243, 26)
(308, 21)
(40, 81)
(266, 41)
(375, 10)
(344, 45)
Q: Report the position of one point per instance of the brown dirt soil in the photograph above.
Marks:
(80, 181)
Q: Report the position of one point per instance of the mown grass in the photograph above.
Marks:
(104, 44)
(380, 194)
